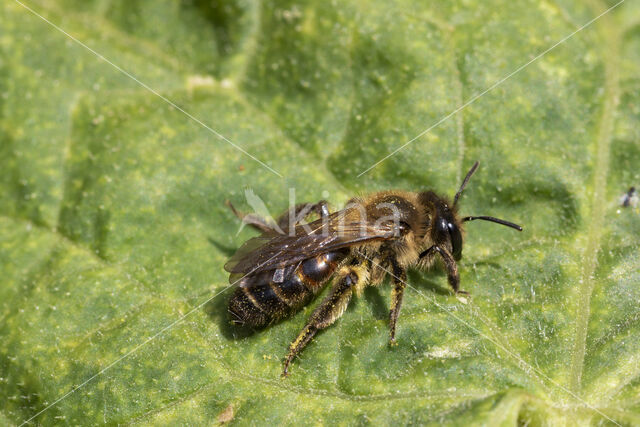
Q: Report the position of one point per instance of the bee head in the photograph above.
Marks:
(444, 225)
(447, 225)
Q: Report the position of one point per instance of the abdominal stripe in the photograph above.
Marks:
(252, 298)
(260, 300)
(275, 287)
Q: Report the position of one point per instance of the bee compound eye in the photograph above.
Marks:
(456, 241)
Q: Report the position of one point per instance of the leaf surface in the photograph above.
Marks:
(114, 230)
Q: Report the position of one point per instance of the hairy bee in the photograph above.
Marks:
(384, 233)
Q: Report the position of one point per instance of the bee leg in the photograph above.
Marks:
(450, 264)
(399, 278)
(322, 208)
(253, 220)
(323, 316)
(302, 211)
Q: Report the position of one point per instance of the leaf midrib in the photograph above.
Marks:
(603, 142)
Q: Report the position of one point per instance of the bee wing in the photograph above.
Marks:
(262, 277)
(272, 250)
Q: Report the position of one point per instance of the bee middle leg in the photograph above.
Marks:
(324, 315)
(399, 279)
(450, 264)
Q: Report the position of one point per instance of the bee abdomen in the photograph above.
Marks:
(266, 302)
(259, 300)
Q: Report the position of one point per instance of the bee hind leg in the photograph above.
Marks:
(300, 212)
(254, 220)
(323, 316)
(297, 214)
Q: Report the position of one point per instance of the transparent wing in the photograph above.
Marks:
(272, 250)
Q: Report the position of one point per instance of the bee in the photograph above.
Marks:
(382, 234)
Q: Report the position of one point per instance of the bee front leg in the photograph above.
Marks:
(399, 278)
(327, 312)
(450, 264)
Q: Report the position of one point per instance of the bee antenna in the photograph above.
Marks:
(466, 180)
(492, 219)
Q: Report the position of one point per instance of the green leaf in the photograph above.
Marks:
(114, 230)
